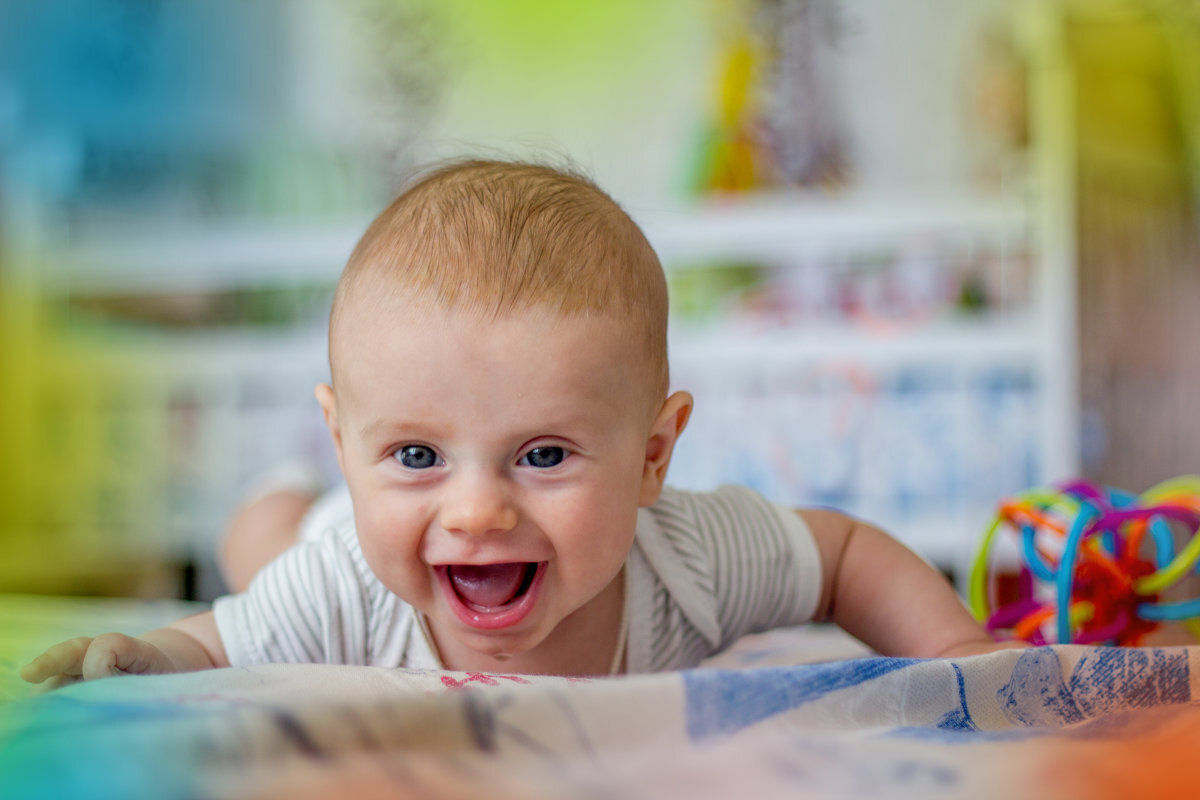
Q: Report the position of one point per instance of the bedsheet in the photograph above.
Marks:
(1055, 722)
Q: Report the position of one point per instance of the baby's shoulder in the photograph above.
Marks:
(332, 550)
(718, 522)
(685, 520)
(333, 510)
(708, 506)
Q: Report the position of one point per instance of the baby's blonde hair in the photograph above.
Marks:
(498, 238)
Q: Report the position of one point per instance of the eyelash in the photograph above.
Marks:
(437, 461)
(563, 453)
(407, 448)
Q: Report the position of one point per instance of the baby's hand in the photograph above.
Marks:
(88, 658)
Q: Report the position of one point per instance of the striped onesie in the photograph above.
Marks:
(706, 568)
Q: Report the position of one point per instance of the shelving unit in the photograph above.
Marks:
(918, 421)
(888, 418)
(825, 400)
(166, 424)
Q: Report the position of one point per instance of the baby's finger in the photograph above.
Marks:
(108, 654)
(65, 658)
(55, 682)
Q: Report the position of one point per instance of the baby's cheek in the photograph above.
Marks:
(392, 519)
(386, 541)
(399, 568)
(599, 559)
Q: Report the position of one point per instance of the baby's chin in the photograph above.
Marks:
(476, 652)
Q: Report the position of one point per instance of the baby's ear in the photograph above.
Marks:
(669, 423)
(325, 396)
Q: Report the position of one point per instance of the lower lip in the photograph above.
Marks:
(506, 616)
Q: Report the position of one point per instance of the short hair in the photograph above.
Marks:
(501, 237)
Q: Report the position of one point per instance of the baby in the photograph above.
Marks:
(500, 409)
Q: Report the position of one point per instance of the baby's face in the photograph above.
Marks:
(496, 467)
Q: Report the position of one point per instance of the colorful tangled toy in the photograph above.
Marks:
(1094, 563)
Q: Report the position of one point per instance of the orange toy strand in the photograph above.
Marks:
(1013, 511)
(1137, 533)
(1031, 622)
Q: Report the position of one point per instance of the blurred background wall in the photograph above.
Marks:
(921, 254)
(1137, 78)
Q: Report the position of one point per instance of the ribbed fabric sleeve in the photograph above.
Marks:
(709, 568)
(320, 603)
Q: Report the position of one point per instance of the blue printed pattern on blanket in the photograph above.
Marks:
(724, 701)
(1046, 688)
(1105, 680)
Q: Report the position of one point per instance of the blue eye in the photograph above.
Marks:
(417, 456)
(544, 457)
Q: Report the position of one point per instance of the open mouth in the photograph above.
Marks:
(491, 596)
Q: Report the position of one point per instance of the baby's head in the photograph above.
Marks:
(497, 239)
(500, 409)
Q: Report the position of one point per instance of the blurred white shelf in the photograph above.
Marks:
(768, 226)
(963, 342)
(222, 367)
(220, 257)
(224, 257)
(176, 354)
(203, 258)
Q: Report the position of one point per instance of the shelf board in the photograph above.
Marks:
(203, 258)
(986, 342)
(768, 226)
(199, 353)
(213, 257)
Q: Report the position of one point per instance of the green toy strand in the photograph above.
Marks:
(1044, 499)
(1187, 557)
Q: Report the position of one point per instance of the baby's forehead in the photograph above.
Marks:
(446, 349)
(385, 290)
(373, 319)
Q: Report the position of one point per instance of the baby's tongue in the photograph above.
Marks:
(486, 585)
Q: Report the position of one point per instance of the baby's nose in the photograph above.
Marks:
(478, 504)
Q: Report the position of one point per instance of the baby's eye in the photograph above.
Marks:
(417, 456)
(544, 457)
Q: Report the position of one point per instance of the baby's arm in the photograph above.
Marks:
(882, 593)
(190, 644)
(261, 529)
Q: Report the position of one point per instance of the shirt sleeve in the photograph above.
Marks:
(307, 606)
(758, 559)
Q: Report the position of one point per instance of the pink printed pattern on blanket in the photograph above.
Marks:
(486, 679)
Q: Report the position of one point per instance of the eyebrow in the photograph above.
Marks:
(390, 428)
(393, 428)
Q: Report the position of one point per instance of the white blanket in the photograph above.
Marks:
(1055, 722)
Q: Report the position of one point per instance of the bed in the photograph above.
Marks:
(797, 713)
